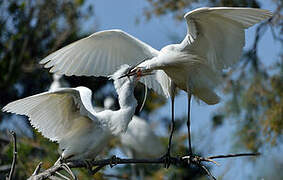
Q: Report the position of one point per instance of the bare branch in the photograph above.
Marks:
(15, 152)
(233, 155)
(37, 169)
(99, 164)
(207, 172)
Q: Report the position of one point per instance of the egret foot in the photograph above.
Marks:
(89, 166)
(167, 159)
(114, 160)
(68, 170)
(62, 162)
(198, 159)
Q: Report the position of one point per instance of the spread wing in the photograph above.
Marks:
(100, 54)
(54, 113)
(217, 34)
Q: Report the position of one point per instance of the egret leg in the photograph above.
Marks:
(172, 125)
(134, 172)
(172, 128)
(189, 123)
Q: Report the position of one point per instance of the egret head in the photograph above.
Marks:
(56, 77)
(109, 102)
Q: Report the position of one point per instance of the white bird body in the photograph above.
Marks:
(139, 141)
(185, 71)
(66, 115)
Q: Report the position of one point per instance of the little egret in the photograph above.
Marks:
(66, 115)
(139, 141)
(214, 41)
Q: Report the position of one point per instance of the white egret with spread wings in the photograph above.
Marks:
(66, 116)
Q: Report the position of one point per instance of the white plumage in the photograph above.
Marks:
(67, 116)
(58, 82)
(100, 54)
(214, 41)
(139, 141)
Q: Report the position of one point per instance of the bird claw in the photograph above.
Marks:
(68, 170)
(198, 159)
(167, 160)
(62, 163)
(114, 160)
(88, 166)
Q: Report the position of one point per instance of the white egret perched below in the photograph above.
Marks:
(67, 116)
(139, 141)
(214, 41)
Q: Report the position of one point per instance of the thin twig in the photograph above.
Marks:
(15, 152)
(207, 172)
(37, 169)
(233, 155)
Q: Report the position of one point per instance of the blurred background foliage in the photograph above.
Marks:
(30, 30)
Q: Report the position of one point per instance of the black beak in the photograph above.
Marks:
(130, 72)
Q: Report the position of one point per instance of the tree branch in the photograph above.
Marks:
(15, 152)
(177, 161)
(233, 155)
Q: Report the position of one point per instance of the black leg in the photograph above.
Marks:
(172, 125)
(189, 123)
(172, 128)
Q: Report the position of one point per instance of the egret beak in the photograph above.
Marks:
(138, 72)
(132, 70)
(128, 74)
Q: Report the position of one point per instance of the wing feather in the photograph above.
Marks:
(104, 48)
(217, 34)
(54, 113)
(100, 54)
